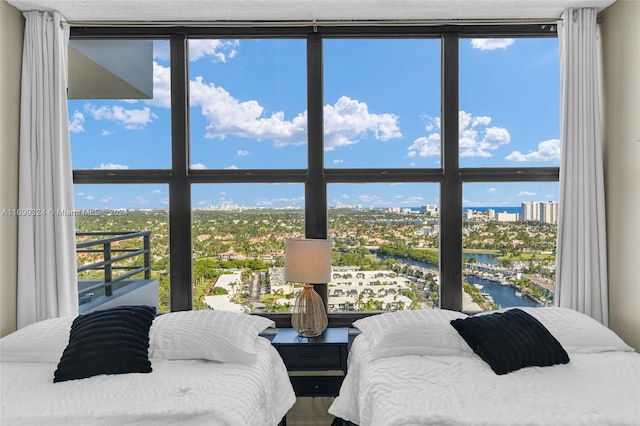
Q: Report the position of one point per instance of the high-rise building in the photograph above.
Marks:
(530, 211)
(549, 212)
(543, 212)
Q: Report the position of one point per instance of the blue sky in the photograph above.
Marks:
(381, 105)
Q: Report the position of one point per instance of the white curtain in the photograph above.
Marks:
(581, 278)
(47, 278)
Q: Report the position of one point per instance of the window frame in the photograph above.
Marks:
(450, 176)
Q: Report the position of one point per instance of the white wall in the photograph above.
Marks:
(621, 85)
(11, 33)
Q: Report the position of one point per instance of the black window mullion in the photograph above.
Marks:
(510, 174)
(315, 201)
(315, 187)
(451, 187)
(179, 190)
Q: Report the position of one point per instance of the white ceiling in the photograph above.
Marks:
(84, 11)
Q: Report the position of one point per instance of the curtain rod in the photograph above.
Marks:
(313, 23)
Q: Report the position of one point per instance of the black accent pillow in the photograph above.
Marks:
(110, 341)
(510, 340)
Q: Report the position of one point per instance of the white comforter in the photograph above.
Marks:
(184, 392)
(592, 389)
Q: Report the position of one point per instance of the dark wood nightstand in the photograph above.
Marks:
(316, 365)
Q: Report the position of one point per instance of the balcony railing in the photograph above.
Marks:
(109, 254)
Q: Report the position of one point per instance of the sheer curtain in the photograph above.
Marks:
(47, 278)
(581, 278)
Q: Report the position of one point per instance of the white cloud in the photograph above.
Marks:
(89, 197)
(425, 146)
(548, 150)
(414, 201)
(526, 194)
(76, 123)
(129, 118)
(371, 200)
(105, 199)
(491, 43)
(267, 202)
(348, 120)
(492, 190)
(229, 116)
(218, 50)
(111, 166)
(165, 201)
(242, 152)
(337, 161)
(155, 192)
(198, 166)
(140, 200)
(474, 142)
(161, 86)
(105, 132)
(475, 138)
(232, 167)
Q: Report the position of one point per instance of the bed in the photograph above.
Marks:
(199, 367)
(416, 368)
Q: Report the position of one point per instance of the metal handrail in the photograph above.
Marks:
(108, 260)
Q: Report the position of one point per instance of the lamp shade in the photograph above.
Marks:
(307, 261)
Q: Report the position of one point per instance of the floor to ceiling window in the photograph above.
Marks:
(429, 155)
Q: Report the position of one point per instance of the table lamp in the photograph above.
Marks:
(308, 261)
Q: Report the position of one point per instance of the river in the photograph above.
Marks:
(503, 295)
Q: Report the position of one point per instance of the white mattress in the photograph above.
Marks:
(186, 392)
(592, 389)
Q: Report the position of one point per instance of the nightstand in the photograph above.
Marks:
(316, 365)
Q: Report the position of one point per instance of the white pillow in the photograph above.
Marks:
(577, 333)
(43, 341)
(413, 332)
(207, 334)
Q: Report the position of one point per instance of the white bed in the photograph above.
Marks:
(178, 391)
(439, 381)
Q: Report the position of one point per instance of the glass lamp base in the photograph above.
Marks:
(309, 317)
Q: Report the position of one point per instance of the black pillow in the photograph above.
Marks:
(510, 340)
(111, 341)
